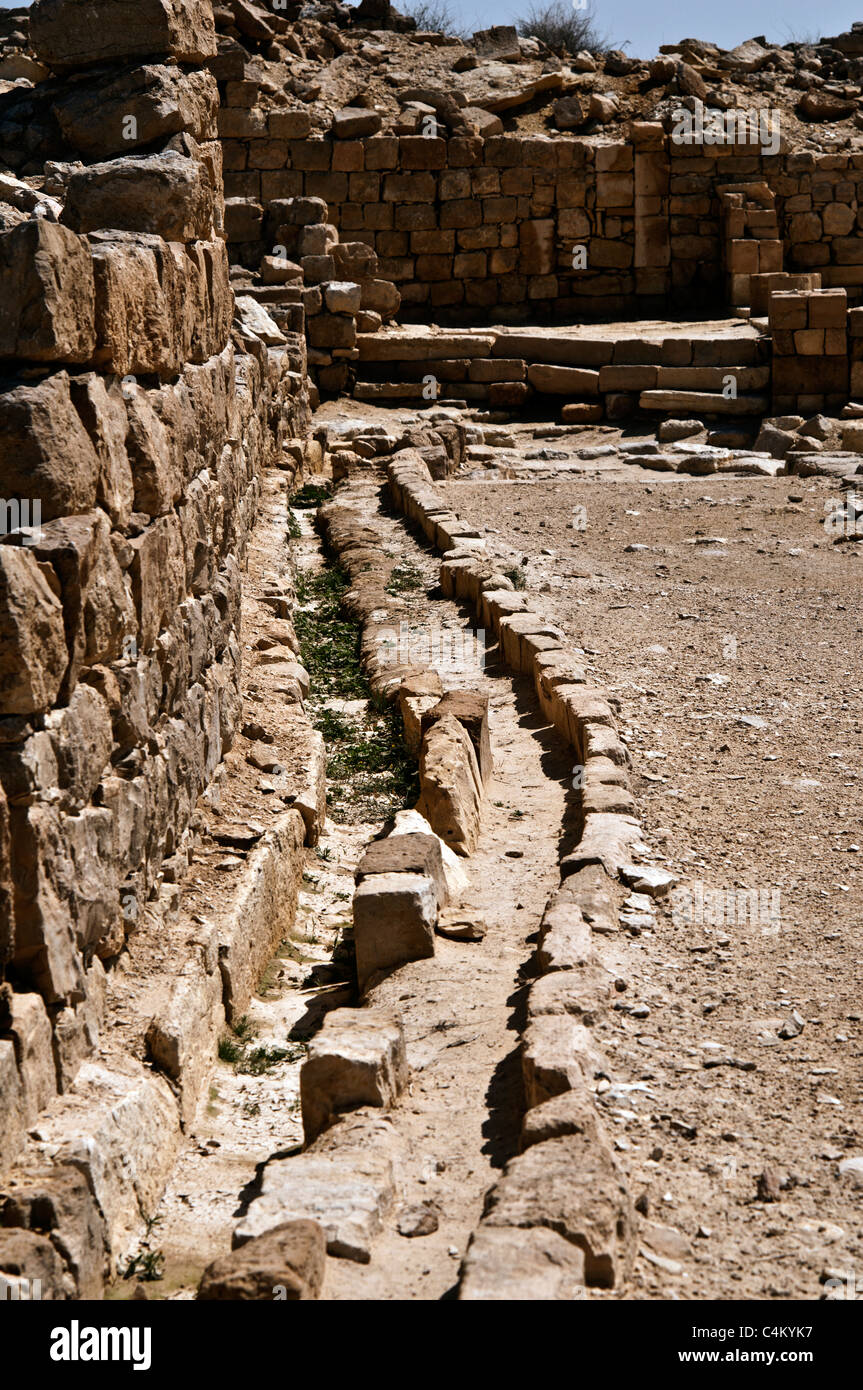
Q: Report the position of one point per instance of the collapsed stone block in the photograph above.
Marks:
(59, 1206)
(286, 1263)
(471, 711)
(139, 106)
(344, 1182)
(357, 1058)
(27, 1259)
(394, 922)
(406, 854)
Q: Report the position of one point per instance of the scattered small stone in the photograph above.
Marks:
(768, 1186)
(669, 1266)
(645, 878)
(793, 1026)
(460, 928)
(417, 1221)
(262, 757)
(852, 1168)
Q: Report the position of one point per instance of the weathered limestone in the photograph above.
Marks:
(394, 921)
(507, 1265)
(286, 1264)
(33, 652)
(451, 786)
(344, 1182)
(358, 1058)
(167, 195)
(406, 854)
(182, 1038)
(47, 304)
(572, 1186)
(45, 452)
(69, 34)
(251, 927)
(137, 108)
(471, 711)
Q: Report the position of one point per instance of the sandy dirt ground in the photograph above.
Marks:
(728, 625)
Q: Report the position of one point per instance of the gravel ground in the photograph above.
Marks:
(728, 625)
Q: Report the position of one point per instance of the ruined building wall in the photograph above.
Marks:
(473, 228)
(135, 424)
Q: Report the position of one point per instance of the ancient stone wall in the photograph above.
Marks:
(519, 226)
(135, 425)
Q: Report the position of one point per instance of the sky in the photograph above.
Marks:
(643, 27)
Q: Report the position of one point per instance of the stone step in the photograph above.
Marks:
(702, 403)
(549, 348)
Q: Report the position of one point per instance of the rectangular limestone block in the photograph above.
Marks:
(406, 854)
(563, 381)
(571, 1185)
(451, 785)
(787, 309)
(564, 937)
(761, 286)
(521, 636)
(698, 401)
(743, 257)
(557, 1055)
(496, 369)
(809, 342)
(511, 1265)
(182, 1038)
(357, 1058)
(613, 378)
(394, 921)
(471, 711)
(347, 1193)
(47, 305)
(827, 308)
(167, 195)
(795, 376)
(70, 34)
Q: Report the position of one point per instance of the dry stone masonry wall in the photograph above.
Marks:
(212, 217)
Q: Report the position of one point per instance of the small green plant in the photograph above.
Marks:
(251, 1108)
(404, 577)
(516, 574)
(325, 854)
(310, 497)
(293, 527)
(230, 1050)
(243, 1028)
(516, 815)
(147, 1265)
(262, 1059)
